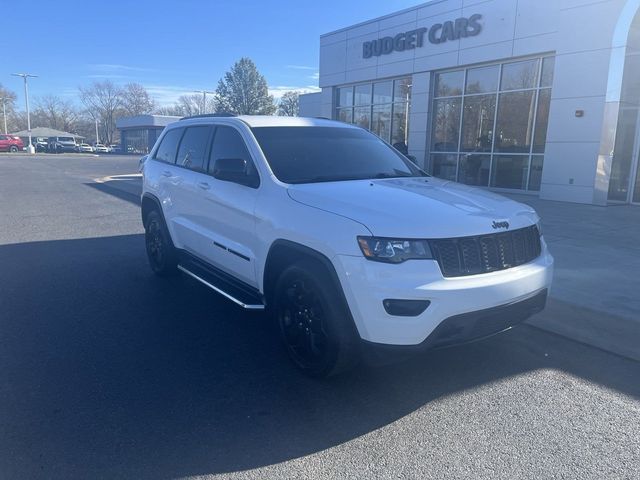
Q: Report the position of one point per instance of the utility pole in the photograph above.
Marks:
(25, 76)
(204, 99)
(4, 113)
(97, 137)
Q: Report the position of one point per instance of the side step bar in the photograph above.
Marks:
(229, 287)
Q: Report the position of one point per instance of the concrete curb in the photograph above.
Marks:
(602, 330)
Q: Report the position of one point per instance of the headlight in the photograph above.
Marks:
(392, 250)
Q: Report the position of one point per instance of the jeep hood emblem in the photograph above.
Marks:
(496, 225)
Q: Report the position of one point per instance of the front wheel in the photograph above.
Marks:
(160, 250)
(314, 321)
(13, 149)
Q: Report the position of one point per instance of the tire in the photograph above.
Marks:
(13, 149)
(314, 322)
(162, 255)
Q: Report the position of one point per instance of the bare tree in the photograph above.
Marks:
(53, 112)
(10, 109)
(103, 100)
(289, 104)
(174, 110)
(136, 100)
(244, 91)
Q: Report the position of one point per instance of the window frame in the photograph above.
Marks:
(207, 149)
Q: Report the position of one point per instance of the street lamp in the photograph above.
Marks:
(204, 99)
(24, 76)
(4, 113)
(97, 137)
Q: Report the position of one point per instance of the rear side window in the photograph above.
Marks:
(167, 149)
(228, 144)
(193, 148)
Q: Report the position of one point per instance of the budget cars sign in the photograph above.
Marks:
(436, 34)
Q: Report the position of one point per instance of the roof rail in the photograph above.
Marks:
(209, 115)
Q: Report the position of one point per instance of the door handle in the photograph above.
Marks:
(204, 185)
(166, 173)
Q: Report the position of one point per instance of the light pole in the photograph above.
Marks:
(24, 76)
(97, 137)
(4, 113)
(204, 99)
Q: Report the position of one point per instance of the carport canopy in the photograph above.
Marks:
(45, 132)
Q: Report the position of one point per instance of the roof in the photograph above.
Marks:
(46, 132)
(141, 121)
(271, 121)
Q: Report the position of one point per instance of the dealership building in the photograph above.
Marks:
(532, 96)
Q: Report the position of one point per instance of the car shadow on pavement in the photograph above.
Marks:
(110, 372)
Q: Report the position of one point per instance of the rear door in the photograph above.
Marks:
(189, 199)
(164, 179)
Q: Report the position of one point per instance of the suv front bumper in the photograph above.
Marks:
(473, 306)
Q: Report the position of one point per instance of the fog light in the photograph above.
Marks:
(405, 308)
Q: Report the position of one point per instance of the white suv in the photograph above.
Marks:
(349, 245)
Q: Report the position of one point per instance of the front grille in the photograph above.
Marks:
(458, 257)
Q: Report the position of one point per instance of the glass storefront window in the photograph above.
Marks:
(445, 165)
(477, 123)
(495, 128)
(535, 174)
(362, 117)
(542, 120)
(510, 171)
(519, 75)
(474, 169)
(382, 92)
(399, 133)
(446, 124)
(381, 107)
(449, 83)
(482, 80)
(548, 66)
(345, 97)
(515, 121)
(381, 120)
(402, 90)
(362, 95)
(345, 115)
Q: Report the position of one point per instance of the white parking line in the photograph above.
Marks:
(114, 178)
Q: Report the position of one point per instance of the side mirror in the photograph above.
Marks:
(141, 162)
(234, 170)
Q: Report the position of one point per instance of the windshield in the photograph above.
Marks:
(326, 154)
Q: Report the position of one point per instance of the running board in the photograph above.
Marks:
(239, 293)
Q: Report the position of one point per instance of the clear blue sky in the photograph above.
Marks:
(173, 47)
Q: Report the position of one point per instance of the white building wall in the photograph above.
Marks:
(310, 104)
(580, 32)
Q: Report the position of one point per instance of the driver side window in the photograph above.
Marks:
(228, 144)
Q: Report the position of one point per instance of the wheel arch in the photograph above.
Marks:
(283, 253)
(150, 202)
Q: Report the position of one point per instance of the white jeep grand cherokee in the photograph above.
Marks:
(345, 241)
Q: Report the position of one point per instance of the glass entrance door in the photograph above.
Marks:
(636, 187)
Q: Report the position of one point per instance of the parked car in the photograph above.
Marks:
(100, 148)
(40, 144)
(348, 244)
(61, 144)
(84, 148)
(114, 148)
(11, 143)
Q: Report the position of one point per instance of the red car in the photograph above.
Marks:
(9, 143)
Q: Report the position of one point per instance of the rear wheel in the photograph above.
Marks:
(162, 255)
(314, 323)
(13, 149)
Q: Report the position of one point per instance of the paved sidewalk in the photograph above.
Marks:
(595, 297)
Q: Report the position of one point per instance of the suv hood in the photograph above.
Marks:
(415, 207)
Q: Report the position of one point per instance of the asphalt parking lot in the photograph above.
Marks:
(109, 372)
